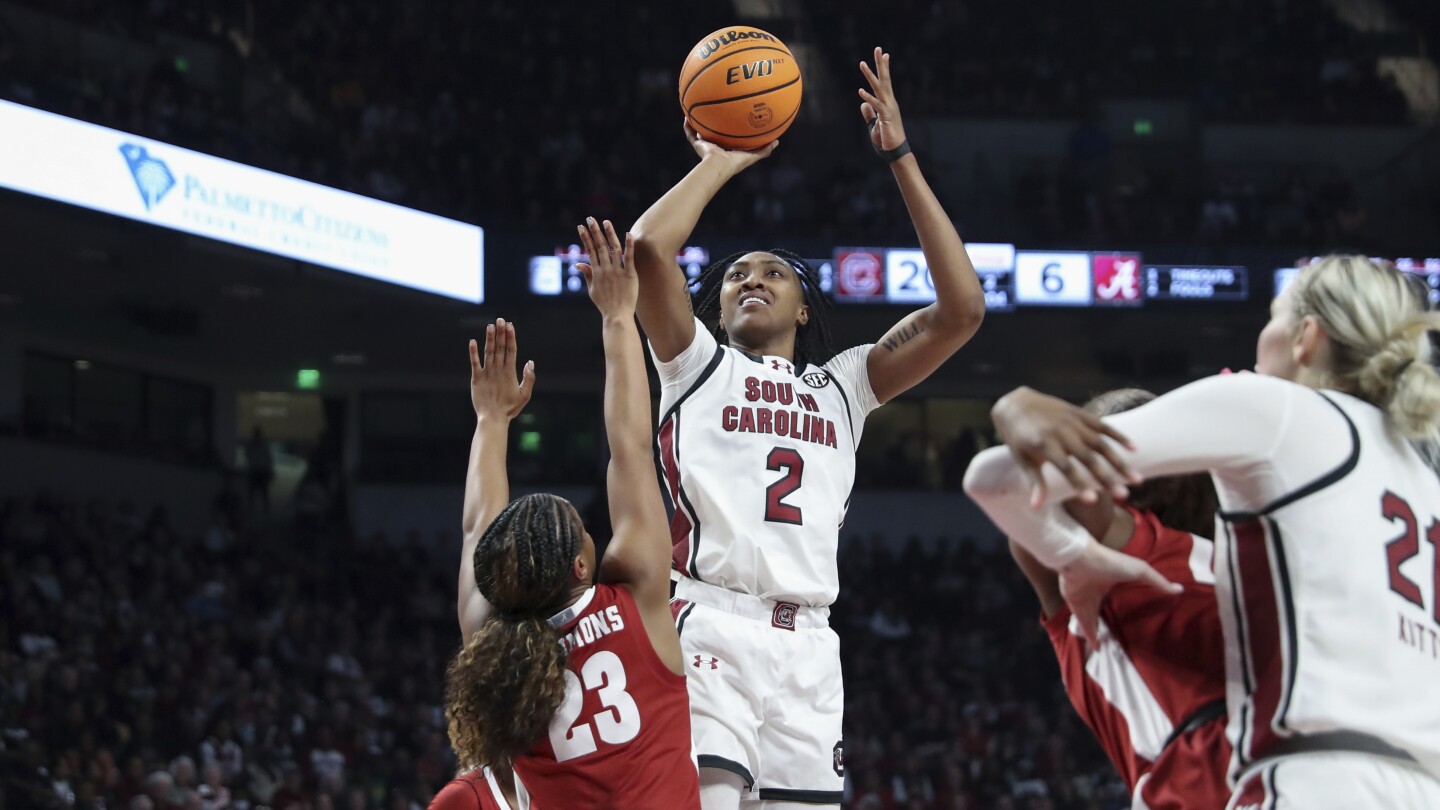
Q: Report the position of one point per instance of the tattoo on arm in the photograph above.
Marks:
(906, 334)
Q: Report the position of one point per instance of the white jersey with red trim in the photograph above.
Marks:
(1327, 559)
(1330, 596)
(758, 458)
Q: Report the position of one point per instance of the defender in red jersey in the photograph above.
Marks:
(477, 790)
(576, 684)
(1153, 689)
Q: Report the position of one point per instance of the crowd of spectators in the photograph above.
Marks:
(145, 666)
(527, 117)
(1274, 61)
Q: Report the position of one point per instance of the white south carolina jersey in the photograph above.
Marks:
(1330, 594)
(758, 458)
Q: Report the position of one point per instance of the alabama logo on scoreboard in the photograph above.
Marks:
(1117, 278)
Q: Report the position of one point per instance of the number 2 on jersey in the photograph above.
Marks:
(776, 510)
(604, 673)
(1407, 545)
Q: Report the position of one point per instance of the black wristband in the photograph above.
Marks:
(892, 155)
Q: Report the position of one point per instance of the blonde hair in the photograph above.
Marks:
(1377, 321)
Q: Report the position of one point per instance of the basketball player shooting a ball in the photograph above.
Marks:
(757, 443)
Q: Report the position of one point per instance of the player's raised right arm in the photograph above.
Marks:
(660, 233)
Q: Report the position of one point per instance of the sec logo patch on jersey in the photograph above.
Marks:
(816, 379)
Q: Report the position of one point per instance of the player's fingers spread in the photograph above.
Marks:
(1106, 428)
(1100, 468)
(870, 76)
(1057, 452)
(873, 100)
(527, 380)
(629, 255)
(611, 238)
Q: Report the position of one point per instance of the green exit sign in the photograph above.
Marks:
(308, 379)
(1144, 127)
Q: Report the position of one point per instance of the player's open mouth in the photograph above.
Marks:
(751, 300)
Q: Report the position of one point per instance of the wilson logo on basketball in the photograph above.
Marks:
(706, 661)
(714, 44)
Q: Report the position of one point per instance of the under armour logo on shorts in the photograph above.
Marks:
(702, 661)
(784, 616)
(837, 760)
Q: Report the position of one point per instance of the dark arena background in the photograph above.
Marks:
(234, 420)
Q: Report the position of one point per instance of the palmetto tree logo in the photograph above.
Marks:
(152, 176)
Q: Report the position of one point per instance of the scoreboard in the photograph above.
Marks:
(1011, 278)
(1427, 270)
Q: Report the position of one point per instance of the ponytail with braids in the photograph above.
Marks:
(506, 683)
(812, 339)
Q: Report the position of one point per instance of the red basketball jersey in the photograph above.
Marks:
(473, 790)
(621, 739)
(1160, 661)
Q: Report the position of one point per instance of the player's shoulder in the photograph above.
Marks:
(465, 792)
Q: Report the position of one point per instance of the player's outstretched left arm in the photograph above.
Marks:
(639, 554)
(923, 340)
(497, 398)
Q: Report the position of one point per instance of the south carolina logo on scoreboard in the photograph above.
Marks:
(859, 275)
(1117, 278)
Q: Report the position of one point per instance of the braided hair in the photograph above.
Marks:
(812, 339)
(506, 683)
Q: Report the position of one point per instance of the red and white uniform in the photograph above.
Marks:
(473, 790)
(759, 459)
(1159, 667)
(1327, 577)
(621, 739)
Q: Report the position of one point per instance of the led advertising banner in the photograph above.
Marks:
(149, 181)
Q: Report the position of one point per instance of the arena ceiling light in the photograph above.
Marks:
(149, 181)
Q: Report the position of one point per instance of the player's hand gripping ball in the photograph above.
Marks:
(740, 88)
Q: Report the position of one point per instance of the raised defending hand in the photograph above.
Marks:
(610, 273)
(493, 388)
(1039, 428)
(734, 160)
(1085, 582)
(878, 106)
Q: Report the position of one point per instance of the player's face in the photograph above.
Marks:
(1275, 348)
(761, 296)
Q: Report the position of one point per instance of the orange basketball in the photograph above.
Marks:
(740, 87)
